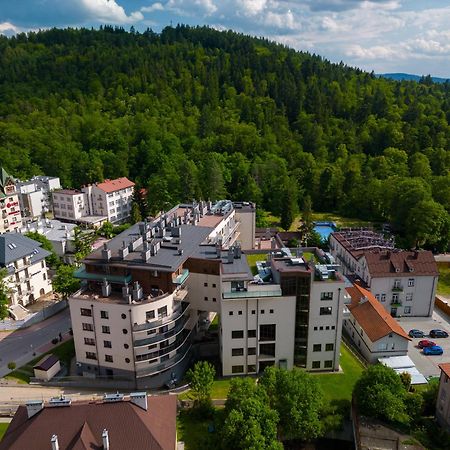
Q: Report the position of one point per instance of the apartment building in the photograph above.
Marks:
(403, 281)
(443, 398)
(11, 219)
(35, 196)
(372, 329)
(69, 205)
(24, 260)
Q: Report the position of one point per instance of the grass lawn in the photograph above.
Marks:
(251, 259)
(339, 386)
(65, 352)
(3, 428)
(307, 256)
(214, 324)
(219, 390)
(443, 286)
(340, 220)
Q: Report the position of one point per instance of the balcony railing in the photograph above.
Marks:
(253, 294)
(397, 288)
(180, 279)
(180, 294)
(396, 303)
(176, 313)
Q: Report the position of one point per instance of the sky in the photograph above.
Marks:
(411, 36)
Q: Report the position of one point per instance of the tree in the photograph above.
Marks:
(53, 259)
(83, 243)
(106, 230)
(201, 379)
(64, 282)
(12, 365)
(135, 213)
(406, 380)
(380, 393)
(298, 400)
(4, 297)
(289, 207)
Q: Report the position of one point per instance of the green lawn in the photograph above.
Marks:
(339, 386)
(219, 390)
(251, 259)
(3, 428)
(214, 324)
(65, 352)
(340, 220)
(443, 286)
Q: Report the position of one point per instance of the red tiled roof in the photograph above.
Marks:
(80, 426)
(445, 367)
(371, 315)
(398, 263)
(115, 185)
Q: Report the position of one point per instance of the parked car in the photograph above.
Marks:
(438, 334)
(435, 350)
(416, 333)
(426, 343)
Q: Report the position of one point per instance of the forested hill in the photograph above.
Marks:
(197, 113)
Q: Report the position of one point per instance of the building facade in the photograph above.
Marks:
(11, 219)
(35, 196)
(443, 398)
(24, 260)
(69, 205)
(404, 282)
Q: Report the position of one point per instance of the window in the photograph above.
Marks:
(124, 316)
(89, 341)
(328, 364)
(214, 299)
(149, 315)
(327, 327)
(326, 310)
(267, 332)
(104, 314)
(230, 313)
(251, 333)
(108, 358)
(315, 328)
(206, 299)
(253, 311)
(237, 334)
(239, 313)
(205, 284)
(316, 364)
(262, 311)
(409, 297)
(214, 285)
(107, 344)
(407, 310)
(267, 350)
(252, 350)
(333, 327)
(125, 331)
(237, 351)
(377, 296)
(105, 329)
(410, 282)
(382, 346)
(329, 347)
(86, 312)
(394, 298)
(151, 332)
(326, 296)
(383, 297)
(237, 369)
(126, 346)
(317, 347)
(271, 311)
(162, 312)
(88, 327)
(320, 328)
(91, 355)
(251, 368)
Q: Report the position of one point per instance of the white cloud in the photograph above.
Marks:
(155, 7)
(8, 29)
(109, 11)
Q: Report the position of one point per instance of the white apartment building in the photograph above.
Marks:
(11, 219)
(69, 205)
(443, 398)
(374, 332)
(403, 281)
(24, 260)
(35, 196)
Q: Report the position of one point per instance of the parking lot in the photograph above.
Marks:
(428, 365)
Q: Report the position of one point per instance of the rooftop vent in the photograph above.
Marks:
(105, 439)
(60, 401)
(54, 442)
(113, 398)
(106, 253)
(33, 407)
(139, 399)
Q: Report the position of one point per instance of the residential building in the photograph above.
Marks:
(134, 422)
(35, 196)
(374, 332)
(24, 259)
(69, 205)
(403, 281)
(148, 293)
(443, 398)
(11, 219)
(246, 215)
(61, 236)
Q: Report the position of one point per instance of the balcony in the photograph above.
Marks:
(397, 288)
(275, 292)
(396, 303)
(180, 279)
(83, 275)
(180, 294)
(176, 314)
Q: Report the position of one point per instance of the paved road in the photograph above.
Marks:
(19, 346)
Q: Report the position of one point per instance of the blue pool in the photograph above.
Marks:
(325, 229)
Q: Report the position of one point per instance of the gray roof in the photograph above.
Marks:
(53, 229)
(14, 246)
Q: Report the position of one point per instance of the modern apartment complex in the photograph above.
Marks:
(24, 260)
(11, 219)
(147, 293)
(403, 281)
(35, 196)
(94, 204)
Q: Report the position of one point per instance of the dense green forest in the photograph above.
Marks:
(198, 113)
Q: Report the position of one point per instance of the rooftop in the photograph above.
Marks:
(445, 367)
(54, 230)
(67, 191)
(46, 362)
(115, 185)
(371, 315)
(14, 246)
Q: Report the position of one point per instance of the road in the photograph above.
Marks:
(19, 346)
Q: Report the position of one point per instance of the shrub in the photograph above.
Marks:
(11, 365)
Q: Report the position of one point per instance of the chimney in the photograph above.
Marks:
(237, 251)
(137, 291)
(230, 255)
(106, 288)
(105, 439)
(139, 399)
(106, 253)
(146, 255)
(54, 442)
(123, 252)
(33, 407)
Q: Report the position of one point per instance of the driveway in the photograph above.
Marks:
(428, 365)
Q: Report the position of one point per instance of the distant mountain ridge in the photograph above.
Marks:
(409, 77)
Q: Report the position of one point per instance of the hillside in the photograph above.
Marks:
(411, 77)
(193, 112)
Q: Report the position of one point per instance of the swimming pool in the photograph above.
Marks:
(325, 229)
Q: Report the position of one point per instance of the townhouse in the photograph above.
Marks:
(11, 219)
(403, 281)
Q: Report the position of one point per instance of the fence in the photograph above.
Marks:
(442, 304)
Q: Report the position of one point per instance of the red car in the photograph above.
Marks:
(426, 343)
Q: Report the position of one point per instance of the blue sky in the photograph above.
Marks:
(410, 36)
